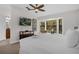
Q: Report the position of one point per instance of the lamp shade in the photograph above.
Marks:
(8, 19)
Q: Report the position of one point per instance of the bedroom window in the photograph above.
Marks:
(51, 26)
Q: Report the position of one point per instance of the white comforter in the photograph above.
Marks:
(45, 44)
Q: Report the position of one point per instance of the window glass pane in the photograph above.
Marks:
(51, 26)
(60, 26)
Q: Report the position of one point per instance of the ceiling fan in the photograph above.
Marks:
(36, 7)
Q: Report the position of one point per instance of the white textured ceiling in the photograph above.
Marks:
(50, 9)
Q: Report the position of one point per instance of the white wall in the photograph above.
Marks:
(2, 29)
(14, 13)
(4, 11)
(15, 27)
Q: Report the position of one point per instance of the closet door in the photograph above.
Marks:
(34, 24)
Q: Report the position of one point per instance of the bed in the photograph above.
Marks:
(46, 44)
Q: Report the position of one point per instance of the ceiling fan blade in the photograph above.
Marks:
(28, 8)
(32, 6)
(40, 6)
(41, 9)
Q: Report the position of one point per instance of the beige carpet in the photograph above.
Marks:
(7, 48)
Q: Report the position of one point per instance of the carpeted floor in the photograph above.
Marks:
(7, 48)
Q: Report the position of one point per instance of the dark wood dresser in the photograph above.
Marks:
(24, 34)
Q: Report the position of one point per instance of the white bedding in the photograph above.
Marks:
(46, 44)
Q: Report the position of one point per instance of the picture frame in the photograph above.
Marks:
(24, 21)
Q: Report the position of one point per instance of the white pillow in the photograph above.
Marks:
(72, 38)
